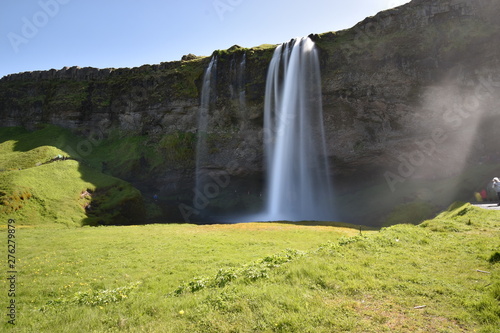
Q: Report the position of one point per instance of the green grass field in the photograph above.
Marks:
(440, 276)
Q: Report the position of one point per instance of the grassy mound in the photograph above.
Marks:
(459, 217)
(42, 182)
(263, 277)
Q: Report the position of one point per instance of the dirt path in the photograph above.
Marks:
(489, 205)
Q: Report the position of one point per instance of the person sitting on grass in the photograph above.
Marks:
(496, 187)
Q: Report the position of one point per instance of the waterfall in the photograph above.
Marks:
(237, 87)
(242, 91)
(207, 97)
(298, 182)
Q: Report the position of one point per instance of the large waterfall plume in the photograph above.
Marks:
(298, 182)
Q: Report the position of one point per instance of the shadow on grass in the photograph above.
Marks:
(103, 199)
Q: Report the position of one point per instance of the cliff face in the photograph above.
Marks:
(411, 93)
(396, 78)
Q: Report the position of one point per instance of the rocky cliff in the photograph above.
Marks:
(410, 97)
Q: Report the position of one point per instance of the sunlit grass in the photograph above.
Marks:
(55, 264)
(401, 279)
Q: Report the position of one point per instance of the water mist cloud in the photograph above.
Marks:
(451, 120)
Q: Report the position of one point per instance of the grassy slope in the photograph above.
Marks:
(51, 192)
(369, 283)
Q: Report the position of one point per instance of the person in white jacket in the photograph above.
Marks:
(496, 187)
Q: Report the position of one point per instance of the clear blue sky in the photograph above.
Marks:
(45, 34)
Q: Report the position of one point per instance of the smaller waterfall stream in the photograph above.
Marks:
(237, 86)
(207, 97)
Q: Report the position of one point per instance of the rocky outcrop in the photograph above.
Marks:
(411, 93)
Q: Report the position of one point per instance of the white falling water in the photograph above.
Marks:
(298, 178)
(207, 97)
(242, 90)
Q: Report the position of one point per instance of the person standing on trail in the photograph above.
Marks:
(484, 195)
(496, 187)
